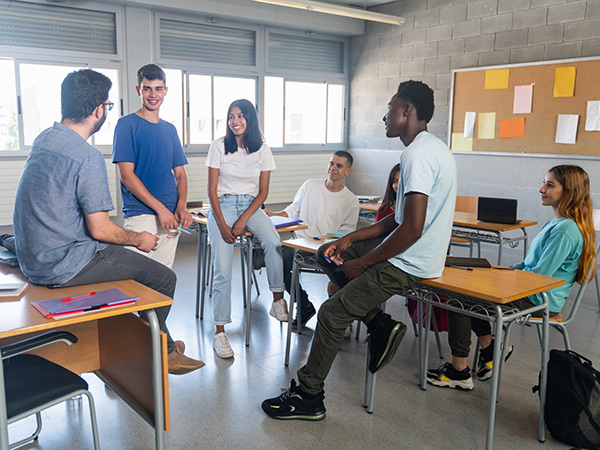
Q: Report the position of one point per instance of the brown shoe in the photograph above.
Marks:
(179, 347)
(180, 364)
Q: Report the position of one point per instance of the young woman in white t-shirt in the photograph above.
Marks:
(239, 169)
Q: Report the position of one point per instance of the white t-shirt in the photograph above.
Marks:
(239, 172)
(427, 166)
(323, 211)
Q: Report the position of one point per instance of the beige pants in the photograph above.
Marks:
(167, 239)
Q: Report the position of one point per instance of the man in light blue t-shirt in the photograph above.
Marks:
(151, 166)
(371, 264)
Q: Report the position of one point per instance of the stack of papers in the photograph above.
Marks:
(83, 303)
(11, 285)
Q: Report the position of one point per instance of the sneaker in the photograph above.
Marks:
(295, 404)
(384, 337)
(485, 363)
(279, 310)
(348, 332)
(447, 376)
(307, 314)
(221, 346)
(180, 364)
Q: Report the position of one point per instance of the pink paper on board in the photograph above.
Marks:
(523, 99)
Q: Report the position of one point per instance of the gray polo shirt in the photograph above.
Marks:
(64, 179)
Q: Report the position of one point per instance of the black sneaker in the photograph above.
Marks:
(384, 337)
(447, 376)
(307, 314)
(295, 404)
(485, 363)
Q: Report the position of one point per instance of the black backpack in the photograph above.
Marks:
(572, 411)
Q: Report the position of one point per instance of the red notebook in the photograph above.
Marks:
(83, 303)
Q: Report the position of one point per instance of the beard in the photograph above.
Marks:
(100, 122)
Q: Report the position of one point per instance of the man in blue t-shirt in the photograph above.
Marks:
(150, 158)
(63, 234)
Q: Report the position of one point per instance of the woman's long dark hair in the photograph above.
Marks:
(389, 198)
(253, 137)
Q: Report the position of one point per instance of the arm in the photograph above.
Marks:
(135, 185)
(270, 213)
(556, 249)
(263, 191)
(102, 229)
(182, 215)
(399, 237)
(213, 198)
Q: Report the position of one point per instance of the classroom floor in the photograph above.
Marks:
(218, 406)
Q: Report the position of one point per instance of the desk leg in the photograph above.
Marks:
(500, 248)
(249, 249)
(495, 378)
(422, 360)
(200, 272)
(288, 342)
(525, 240)
(159, 418)
(3, 412)
(544, 367)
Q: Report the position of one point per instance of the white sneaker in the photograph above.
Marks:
(222, 347)
(279, 310)
(348, 332)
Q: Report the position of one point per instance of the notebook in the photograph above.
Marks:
(11, 285)
(83, 303)
(498, 210)
(467, 262)
(281, 222)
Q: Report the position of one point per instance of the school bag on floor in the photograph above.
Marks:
(572, 411)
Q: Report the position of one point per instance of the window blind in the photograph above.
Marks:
(305, 53)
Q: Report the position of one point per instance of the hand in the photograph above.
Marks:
(183, 216)
(239, 226)
(353, 268)
(268, 212)
(167, 220)
(337, 247)
(147, 242)
(227, 234)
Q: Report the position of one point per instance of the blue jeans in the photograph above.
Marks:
(259, 224)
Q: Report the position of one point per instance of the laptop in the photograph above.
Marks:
(498, 210)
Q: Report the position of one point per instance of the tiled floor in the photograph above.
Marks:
(218, 406)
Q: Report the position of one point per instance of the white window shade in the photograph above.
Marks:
(207, 43)
(55, 27)
(305, 54)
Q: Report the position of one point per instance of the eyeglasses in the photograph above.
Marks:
(109, 105)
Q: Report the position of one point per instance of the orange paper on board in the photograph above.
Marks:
(510, 128)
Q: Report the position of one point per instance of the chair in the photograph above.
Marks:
(33, 383)
(469, 205)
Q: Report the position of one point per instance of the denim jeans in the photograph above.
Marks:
(259, 224)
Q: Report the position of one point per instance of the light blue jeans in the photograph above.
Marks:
(262, 228)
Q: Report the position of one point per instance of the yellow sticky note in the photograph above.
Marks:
(486, 126)
(564, 81)
(496, 79)
(461, 143)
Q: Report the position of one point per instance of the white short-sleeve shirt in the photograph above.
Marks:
(239, 172)
(427, 167)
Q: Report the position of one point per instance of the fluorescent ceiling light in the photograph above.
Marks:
(338, 10)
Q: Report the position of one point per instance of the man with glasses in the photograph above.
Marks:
(151, 166)
(63, 234)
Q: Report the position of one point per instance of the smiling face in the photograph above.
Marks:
(338, 168)
(152, 93)
(237, 122)
(395, 181)
(551, 191)
(396, 118)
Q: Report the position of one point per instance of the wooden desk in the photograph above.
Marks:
(368, 210)
(481, 293)
(466, 226)
(246, 241)
(136, 371)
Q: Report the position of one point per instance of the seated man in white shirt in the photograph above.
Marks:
(325, 206)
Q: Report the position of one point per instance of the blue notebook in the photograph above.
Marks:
(83, 303)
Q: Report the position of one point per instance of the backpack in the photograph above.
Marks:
(572, 411)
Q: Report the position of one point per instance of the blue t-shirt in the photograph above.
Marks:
(555, 252)
(155, 150)
(64, 179)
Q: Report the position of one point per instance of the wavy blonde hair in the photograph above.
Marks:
(576, 204)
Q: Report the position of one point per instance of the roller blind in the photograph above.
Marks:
(207, 43)
(38, 25)
(305, 53)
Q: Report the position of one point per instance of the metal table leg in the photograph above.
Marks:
(201, 272)
(288, 342)
(544, 366)
(157, 385)
(249, 249)
(495, 378)
(3, 413)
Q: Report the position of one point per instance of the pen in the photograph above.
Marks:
(77, 297)
(336, 261)
(460, 267)
(184, 230)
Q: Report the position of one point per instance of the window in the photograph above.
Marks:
(9, 131)
(200, 109)
(227, 90)
(172, 108)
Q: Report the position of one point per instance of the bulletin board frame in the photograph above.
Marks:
(468, 94)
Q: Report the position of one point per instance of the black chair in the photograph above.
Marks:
(33, 383)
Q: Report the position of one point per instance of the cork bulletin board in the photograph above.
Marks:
(469, 95)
